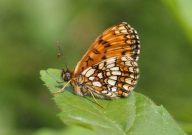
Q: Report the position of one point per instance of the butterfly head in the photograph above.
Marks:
(66, 75)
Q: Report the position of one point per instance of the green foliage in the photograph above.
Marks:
(74, 130)
(135, 115)
(182, 9)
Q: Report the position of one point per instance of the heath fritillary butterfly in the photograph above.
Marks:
(109, 68)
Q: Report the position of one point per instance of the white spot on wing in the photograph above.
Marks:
(85, 71)
(132, 36)
(104, 91)
(125, 86)
(123, 58)
(135, 63)
(138, 51)
(96, 83)
(90, 72)
(134, 82)
(100, 75)
(131, 69)
(91, 78)
(121, 28)
(128, 63)
(137, 77)
(124, 31)
(101, 65)
(132, 75)
(137, 70)
(135, 31)
(111, 60)
(114, 89)
(116, 73)
(113, 77)
(128, 80)
(110, 65)
(111, 82)
(114, 68)
(108, 73)
(117, 32)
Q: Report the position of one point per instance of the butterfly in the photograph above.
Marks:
(109, 68)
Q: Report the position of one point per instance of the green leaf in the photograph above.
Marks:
(135, 115)
(73, 130)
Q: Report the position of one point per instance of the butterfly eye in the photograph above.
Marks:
(66, 75)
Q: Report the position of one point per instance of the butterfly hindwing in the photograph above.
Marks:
(111, 78)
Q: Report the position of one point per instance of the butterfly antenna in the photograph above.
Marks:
(95, 101)
(63, 88)
(59, 50)
(66, 67)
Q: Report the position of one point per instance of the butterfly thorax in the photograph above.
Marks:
(76, 82)
(78, 85)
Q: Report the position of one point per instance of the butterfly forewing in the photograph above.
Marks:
(116, 41)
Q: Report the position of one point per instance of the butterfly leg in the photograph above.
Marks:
(95, 101)
(62, 89)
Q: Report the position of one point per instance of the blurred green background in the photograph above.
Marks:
(29, 31)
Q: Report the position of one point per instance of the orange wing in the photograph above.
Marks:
(116, 41)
